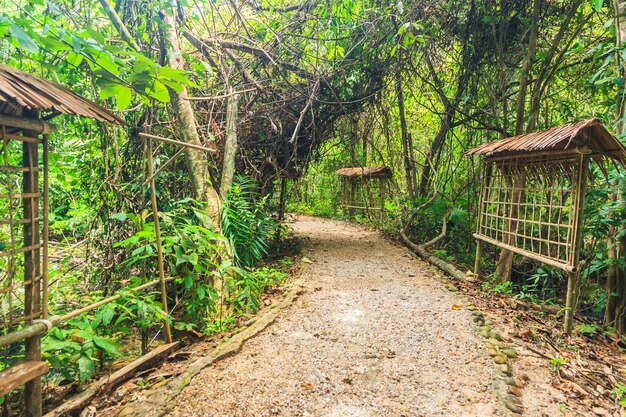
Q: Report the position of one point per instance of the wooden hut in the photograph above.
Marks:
(533, 192)
(363, 188)
(27, 103)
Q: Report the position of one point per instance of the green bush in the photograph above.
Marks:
(247, 223)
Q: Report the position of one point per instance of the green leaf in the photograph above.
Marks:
(123, 98)
(159, 92)
(119, 216)
(77, 44)
(109, 91)
(24, 41)
(86, 368)
(597, 4)
(107, 345)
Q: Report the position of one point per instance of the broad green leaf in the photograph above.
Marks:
(86, 368)
(107, 345)
(77, 44)
(119, 216)
(109, 91)
(597, 4)
(24, 41)
(159, 92)
(124, 97)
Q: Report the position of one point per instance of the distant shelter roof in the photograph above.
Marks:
(20, 90)
(373, 172)
(588, 133)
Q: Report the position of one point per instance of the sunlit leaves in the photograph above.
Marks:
(23, 40)
(597, 4)
(120, 72)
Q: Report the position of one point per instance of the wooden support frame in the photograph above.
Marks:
(28, 208)
(533, 205)
(32, 267)
(18, 375)
(157, 232)
(364, 189)
(155, 211)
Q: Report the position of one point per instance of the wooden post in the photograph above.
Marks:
(353, 191)
(32, 268)
(477, 258)
(282, 199)
(383, 181)
(343, 196)
(572, 278)
(46, 208)
(157, 233)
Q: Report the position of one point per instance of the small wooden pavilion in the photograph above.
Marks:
(27, 103)
(363, 188)
(533, 193)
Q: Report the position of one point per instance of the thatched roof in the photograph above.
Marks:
(375, 172)
(20, 90)
(560, 138)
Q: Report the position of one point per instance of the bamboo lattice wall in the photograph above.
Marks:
(530, 206)
(21, 193)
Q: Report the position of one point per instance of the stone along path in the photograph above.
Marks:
(374, 334)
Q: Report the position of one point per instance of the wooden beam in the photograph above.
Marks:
(26, 123)
(177, 142)
(32, 266)
(523, 252)
(18, 375)
(109, 382)
(38, 327)
(157, 235)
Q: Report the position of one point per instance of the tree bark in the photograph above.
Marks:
(505, 261)
(407, 146)
(230, 148)
(544, 75)
(528, 64)
(185, 126)
(616, 277)
(119, 25)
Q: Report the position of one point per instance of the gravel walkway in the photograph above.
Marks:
(373, 335)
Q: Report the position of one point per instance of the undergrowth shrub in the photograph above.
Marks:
(247, 222)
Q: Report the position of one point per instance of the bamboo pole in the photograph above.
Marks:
(477, 258)
(43, 326)
(32, 295)
(157, 233)
(382, 199)
(46, 208)
(176, 142)
(34, 124)
(572, 279)
(528, 254)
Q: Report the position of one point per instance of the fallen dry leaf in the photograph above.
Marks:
(601, 411)
(456, 307)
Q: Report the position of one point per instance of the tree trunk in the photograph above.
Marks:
(230, 148)
(528, 64)
(616, 277)
(185, 126)
(407, 148)
(545, 73)
(505, 262)
(119, 25)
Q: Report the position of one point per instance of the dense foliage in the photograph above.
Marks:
(320, 85)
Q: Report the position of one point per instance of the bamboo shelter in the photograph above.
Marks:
(363, 188)
(26, 103)
(533, 193)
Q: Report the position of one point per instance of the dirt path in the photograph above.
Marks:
(373, 335)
